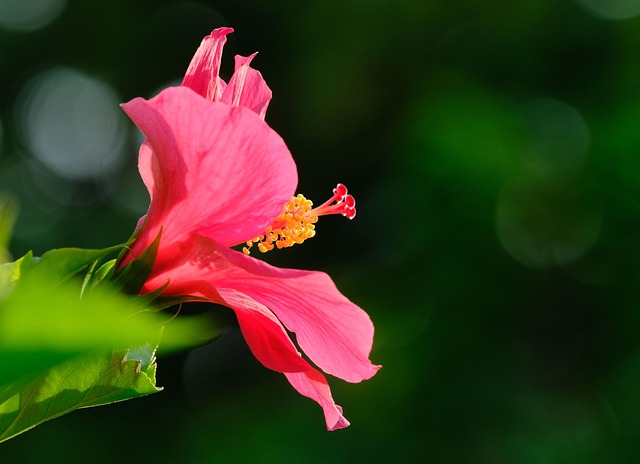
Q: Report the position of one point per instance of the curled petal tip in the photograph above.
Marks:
(342, 423)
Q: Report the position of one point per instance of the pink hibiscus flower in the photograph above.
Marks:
(219, 176)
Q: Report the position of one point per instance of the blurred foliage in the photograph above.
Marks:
(492, 147)
(60, 351)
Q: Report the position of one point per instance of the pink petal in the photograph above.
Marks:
(333, 332)
(312, 384)
(247, 87)
(264, 334)
(203, 73)
(211, 169)
(271, 345)
(204, 268)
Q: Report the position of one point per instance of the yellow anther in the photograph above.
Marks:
(297, 221)
(293, 226)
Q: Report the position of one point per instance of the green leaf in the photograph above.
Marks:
(147, 298)
(132, 277)
(53, 336)
(52, 345)
(64, 263)
(11, 272)
(42, 324)
(96, 275)
(90, 380)
(105, 271)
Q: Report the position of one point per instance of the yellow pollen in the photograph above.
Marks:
(297, 222)
(293, 226)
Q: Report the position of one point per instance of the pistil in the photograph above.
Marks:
(297, 222)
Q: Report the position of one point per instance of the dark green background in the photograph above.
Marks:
(493, 150)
